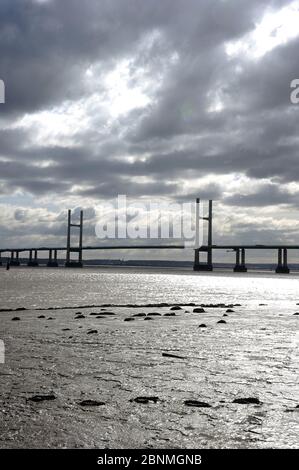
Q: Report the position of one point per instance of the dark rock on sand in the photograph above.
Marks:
(221, 321)
(139, 315)
(170, 314)
(147, 318)
(41, 316)
(50, 318)
(172, 355)
(20, 309)
(109, 313)
(91, 403)
(176, 307)
(225, 315)
(145, 400)
(15, 319)
(38, 398)
(154, 314)
(91, 332)
(66, 329)
(94, 313)
(100, 316)
(129, 319)
(229, 310)
(199, 310)
(197, 404)
(247, 401)
(79, 316)
(202, 325)
(297, 313)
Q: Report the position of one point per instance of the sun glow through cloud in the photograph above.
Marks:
(276, 28)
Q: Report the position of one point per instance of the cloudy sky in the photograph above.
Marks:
(155, 99)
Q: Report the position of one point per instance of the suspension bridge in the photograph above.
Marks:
(207, 249)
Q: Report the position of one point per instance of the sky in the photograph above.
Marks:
(163, 100)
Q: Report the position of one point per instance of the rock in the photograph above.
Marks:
(229, 310)
(221, 321)
(197, 404)
(109, 313)
(91, 332)
(297, 313)
(170, 314)
(100, 316)
(15, 319)
(66, 329)
(225, 315)
(145, 400)
(129, 319)
(247, 401)
(50, 318)
(94, 313)
(91, 403)
(79, 316)
(41, 316)
(20, 309)
(139, 315)
(202, 325)
(176, 307)
(199, 310)
(172, 355)
(148, 318)
(38, 398)
(154, 314)
(261, 305)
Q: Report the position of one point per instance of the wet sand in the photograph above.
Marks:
(112, 383)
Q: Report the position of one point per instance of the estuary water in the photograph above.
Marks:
(252, 354)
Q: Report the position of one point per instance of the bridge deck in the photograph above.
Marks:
(154, 247)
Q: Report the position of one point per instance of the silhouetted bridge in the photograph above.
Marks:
(240, 250)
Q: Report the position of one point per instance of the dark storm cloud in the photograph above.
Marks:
(46, 47)
(267, 195)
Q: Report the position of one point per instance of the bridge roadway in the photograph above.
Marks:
(155, 247)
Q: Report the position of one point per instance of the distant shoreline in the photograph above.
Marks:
(160, 264)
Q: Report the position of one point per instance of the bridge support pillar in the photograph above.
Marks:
(32, 262)
(52, 262)
(240, 267)
(14, 261)
(282, 266)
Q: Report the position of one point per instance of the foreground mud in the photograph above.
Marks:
(88, 378)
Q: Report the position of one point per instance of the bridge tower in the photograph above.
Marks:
(69, 249)
(208, 266)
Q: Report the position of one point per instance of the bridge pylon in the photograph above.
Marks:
(69, 263)
(208, 265)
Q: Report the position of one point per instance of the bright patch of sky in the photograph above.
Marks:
(275, 29)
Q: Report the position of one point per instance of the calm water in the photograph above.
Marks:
(255, 354)
(45, 287)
